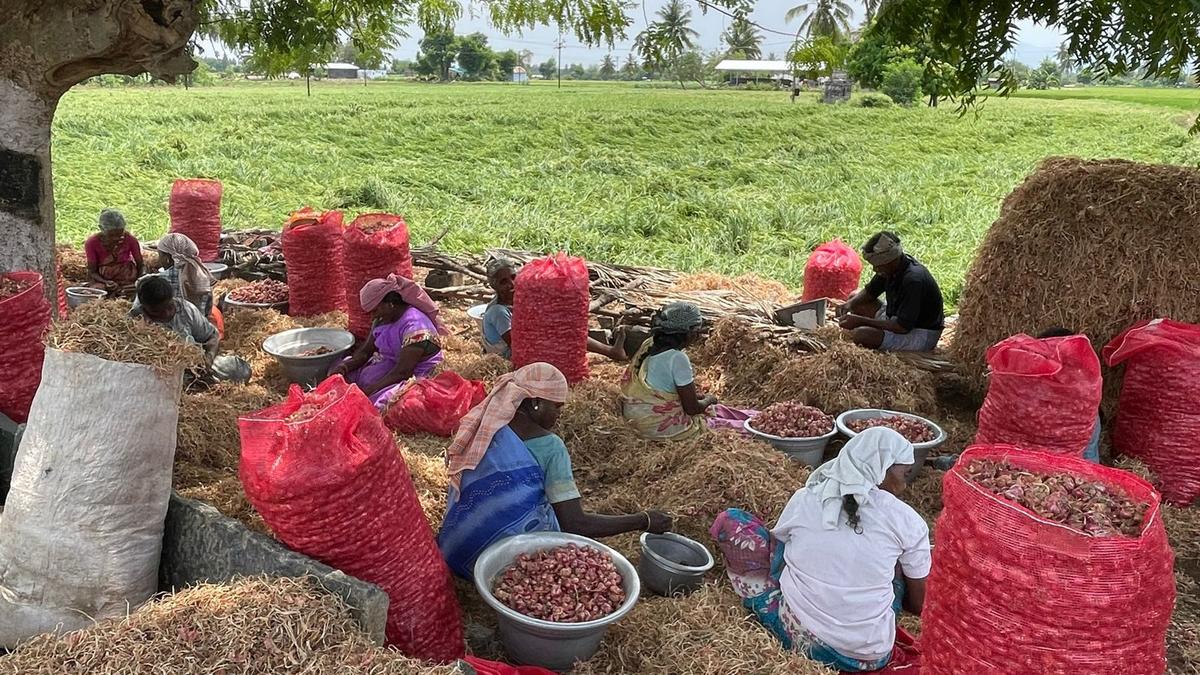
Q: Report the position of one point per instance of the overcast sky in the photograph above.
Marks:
(1035, 44)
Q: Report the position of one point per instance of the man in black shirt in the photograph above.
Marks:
(911, 319)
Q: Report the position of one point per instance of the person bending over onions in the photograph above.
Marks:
(658, 390)
(497, 319)
(403, 343)
(114, 257)
(846, 555)
(509, 473)
(157, 303)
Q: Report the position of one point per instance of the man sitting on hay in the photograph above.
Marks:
(911, 319)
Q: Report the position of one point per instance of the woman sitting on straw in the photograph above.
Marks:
(846, 555)
(114, 257)
(403, 342)
(658, 391)
(497, 319)
(509, 473)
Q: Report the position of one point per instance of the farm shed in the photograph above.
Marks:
(742, 71)
(520, 75)
(341, 71)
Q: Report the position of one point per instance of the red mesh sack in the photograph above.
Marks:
(1042, 394)
(550, 315)
(313, 248)
(832, 271)
(1013, 593)
(1158, 412)
(325, 474)
(376, 245)
(24, 318)
(195, 208)
(434, 405)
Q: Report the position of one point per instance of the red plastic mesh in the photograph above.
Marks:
(195, 208)
(434, 405)
(832, 271)
(334, 487)
(550, 315)
(1042, 394)
(24, 318)
(313, 246)
(1158, 413)
(376, 245)
(1011, 593)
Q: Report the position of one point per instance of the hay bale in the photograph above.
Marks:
(706, 633)
(251, 626)
(1090, 245)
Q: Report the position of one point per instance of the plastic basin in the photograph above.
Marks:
(672, 564)
(287, 346)
(218, 270)
(809, 450)
(920, 450)
(477, 313)
(78, 295)
(533, 642)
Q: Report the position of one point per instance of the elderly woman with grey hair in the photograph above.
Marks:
(659, 398)
(911, 319)
(497, 318)
(114, 257)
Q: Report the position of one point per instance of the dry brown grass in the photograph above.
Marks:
(747, 286)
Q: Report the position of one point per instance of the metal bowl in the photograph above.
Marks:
(477, 313)
(308, 370)
(920, 450)
(808, 451)
(79, 295)
(547, 644)
(218, 270)
(672, 564)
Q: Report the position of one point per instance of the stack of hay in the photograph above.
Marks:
(1093, 246)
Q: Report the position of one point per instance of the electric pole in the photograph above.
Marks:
(560, 46)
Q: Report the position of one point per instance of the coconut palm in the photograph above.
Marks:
(665, 40)
(742, 37)
(870, 7)
(822, 18)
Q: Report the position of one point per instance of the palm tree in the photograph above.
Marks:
(742, 37)
(822, 18)
(665, 40)
(870, 7)
(1066, 63)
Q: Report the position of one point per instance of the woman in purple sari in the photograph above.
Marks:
(403, 343)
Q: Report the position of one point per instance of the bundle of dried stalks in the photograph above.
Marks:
(749, 286)
(251, 627)
(73, 265)
(431, 481)
(208, 431)
(106, 330)
(1093, 246)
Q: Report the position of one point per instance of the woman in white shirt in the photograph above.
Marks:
(845, 557)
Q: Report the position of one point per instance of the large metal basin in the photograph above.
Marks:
(920, 450)
(533, 642)
(307, 371)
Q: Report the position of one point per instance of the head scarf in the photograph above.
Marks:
(677, 317)
(885, 250)
(192, 273)
(375, 290)
(111, 220)
(479, 426)
(859, 467)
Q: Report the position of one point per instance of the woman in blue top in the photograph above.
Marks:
(509, 473)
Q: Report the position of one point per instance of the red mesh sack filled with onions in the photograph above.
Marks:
(915, 431)
(24, 318)
(1043, 394)
(376, 245)
(313, 247)
(832, 271)
(792, 419)
(195, 209)
(1158, 412)
(550, 315)
(1046, 563)
(326, 476)
(567, 584)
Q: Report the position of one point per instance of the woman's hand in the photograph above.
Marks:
(659, 522)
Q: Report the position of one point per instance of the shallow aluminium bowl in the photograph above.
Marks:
(477, 313)
(808, 451)
(920, 450)
(78, 295)
(308, 370)
(533, 642)
(218, 270)
(672, 564)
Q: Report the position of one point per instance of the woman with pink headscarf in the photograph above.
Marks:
(403, 343)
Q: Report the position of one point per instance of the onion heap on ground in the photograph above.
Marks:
(265, 292)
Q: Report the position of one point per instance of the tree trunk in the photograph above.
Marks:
(26, 190)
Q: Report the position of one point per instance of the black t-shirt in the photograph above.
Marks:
(913, 297)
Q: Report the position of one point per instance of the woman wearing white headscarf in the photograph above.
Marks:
(846, 555)
(180, 259)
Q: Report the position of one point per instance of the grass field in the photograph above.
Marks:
(1181, 99)
(728, 181)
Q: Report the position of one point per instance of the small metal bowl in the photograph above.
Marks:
(672, 564)
(218, 270)
(79, 295)
(476, 313)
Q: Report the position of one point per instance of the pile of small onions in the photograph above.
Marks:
(567, 584)
(1088, 506)
(10, 287)
(913, 430)
(265, 292)
(793, 419)
(316, 351)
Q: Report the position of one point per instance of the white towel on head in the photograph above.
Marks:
(860, 466)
